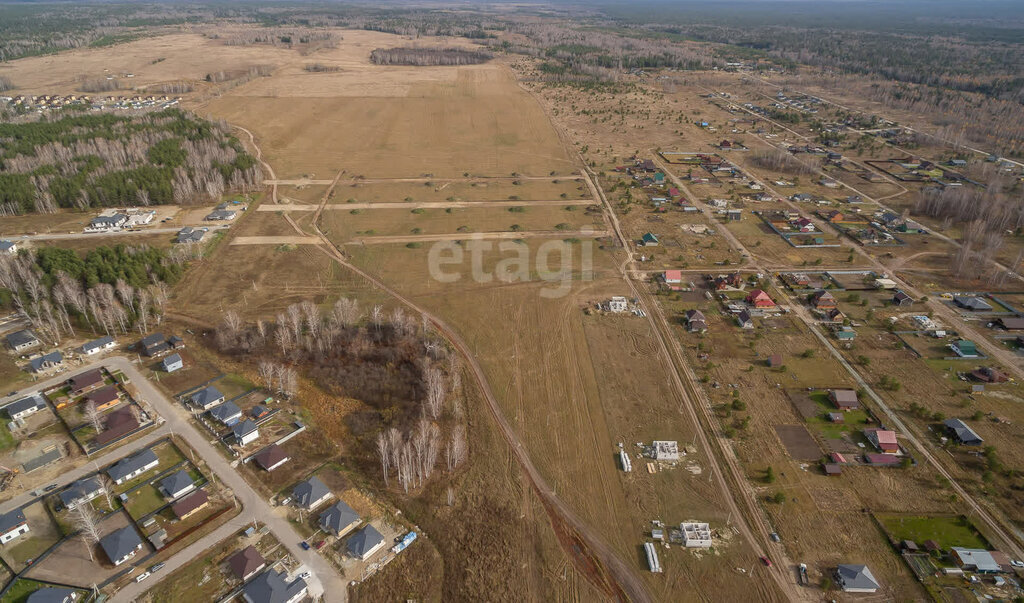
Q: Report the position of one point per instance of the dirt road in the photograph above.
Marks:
(423, 205)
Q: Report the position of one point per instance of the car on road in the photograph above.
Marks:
(157, 567)
(766, 561)
(304, 545)
(14, 393)
(50, 488)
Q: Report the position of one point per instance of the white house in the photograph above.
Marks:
(12, 525)
(133, 466)
(98, 345)
(24, 407)
(9, 247)
(121, 545)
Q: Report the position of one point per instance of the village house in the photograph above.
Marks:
(823, 300)
(271, 457)
(1014, 323)
(673, 278)
(154, 345)
(339, 519)
(856, 579)
(121, 545)
(190, 235)
(118, 423)
(219, 215)
(105, 223)
(8, 247)
(245, 432)
(882, 439)
(133, 466)
(177, 484)
(22, 340)
(190, 505)
(964, 348)
(696, 322)
(46, 362)
(227, 413)
(844, 399)
(834, 315)
(696, 535)
(901, 299)
(246, 563)
(207, 398)
(172, 363)
(98, 345)
(649, 240)
(972, 303)
(25, 407)
(365, 543)
(104, 398)
(12, 525)
(81, 491)
(744, 320)
(962, 433)
(977, 560)
(271, 587)
(834, 216)
(86, 381)
(987, 374)
(311, 493)
(760, 299)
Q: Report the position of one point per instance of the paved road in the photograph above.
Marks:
(324, 581)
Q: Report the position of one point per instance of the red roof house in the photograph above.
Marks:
(760, 299)
(673, 277)
(883, 439)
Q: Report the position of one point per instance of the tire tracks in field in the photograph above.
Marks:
(591, 556)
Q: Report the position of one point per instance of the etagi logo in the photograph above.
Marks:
(553, 261)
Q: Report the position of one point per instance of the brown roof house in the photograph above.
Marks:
(191, 504)
(271, 457)
(246, 563)
(844, 399)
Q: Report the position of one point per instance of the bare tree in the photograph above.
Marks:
(346, 312)
(266, 371)
(377, 317)
(84, 520)
(94, 416)
(384, 453)
(456, 451)
(434, 381)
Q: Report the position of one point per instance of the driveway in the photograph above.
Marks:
(325, 581)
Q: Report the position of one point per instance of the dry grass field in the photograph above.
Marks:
(437, 145)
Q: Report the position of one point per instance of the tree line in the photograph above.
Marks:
(428, 56)
(112, 290)
(104, 160)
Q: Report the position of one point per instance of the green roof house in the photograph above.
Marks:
(965, 348)
(649, 240)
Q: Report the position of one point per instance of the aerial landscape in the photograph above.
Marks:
(494, 301)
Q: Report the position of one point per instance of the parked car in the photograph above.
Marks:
(320, 545)
(305, 575)
(766, 561)
(304, 545)
(157, 567)
(50, 488)
(141, 576)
